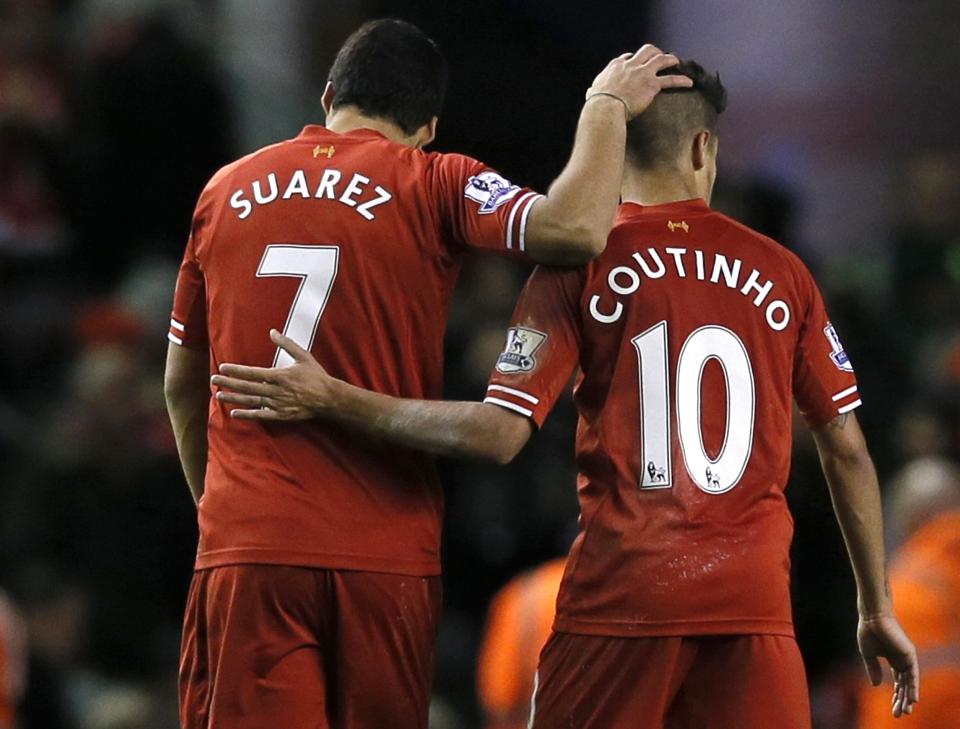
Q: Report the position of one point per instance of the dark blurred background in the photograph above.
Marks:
(840, 142)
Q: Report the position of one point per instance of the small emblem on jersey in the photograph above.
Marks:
(490, 190)
(522, 344)
(674, 227)
(837, 354)
(713, 479)
(327, 151)
(655, 474)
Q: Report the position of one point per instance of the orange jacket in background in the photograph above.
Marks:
(13, 662)
(521, 616)
(926, 588)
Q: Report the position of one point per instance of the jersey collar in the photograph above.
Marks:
(630, 210)
(318, 132)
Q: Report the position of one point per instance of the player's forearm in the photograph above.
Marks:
(188, 416)
(855, 493)
(187, 391)
(457, 429)
(570, 225)
(856, 500)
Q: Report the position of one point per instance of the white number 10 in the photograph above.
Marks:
(714, 476)
(316, 267)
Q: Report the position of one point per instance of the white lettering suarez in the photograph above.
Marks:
(713, 268)
(355, 192)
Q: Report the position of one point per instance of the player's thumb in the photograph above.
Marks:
(289, 346)
(874, 671)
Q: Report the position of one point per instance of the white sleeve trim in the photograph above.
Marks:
(852, 406)
(175, 339)
(523, 221)
(515, 393)
(513, 214)
(844, 393)
(177, 325)
(509, 406)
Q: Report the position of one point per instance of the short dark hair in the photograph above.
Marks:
(392, 70)
(656, 135)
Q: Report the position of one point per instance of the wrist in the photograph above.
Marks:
(329, 397)
(874, 610)
(608, 99)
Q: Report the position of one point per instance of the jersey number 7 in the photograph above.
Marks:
(316, 267)
(715, 476)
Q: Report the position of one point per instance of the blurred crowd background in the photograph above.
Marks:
(840, 142)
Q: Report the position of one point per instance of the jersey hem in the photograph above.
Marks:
(630, 629)
(361, 563)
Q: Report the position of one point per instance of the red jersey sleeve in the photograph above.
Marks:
(188, 321)
(823, 381)
(478, 207)
(543, 344)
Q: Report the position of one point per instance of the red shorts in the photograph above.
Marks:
(722, 682)
(272, 647)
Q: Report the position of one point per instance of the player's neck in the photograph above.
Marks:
(348, 119)
(660, 187)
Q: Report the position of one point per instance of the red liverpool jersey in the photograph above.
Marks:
(351, 244)
(693, 335)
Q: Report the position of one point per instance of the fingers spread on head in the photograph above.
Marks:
(645, 53)
(675, 81)
(664, 60)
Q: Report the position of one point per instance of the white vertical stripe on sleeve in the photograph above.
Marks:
(523, 221)
(513, 214)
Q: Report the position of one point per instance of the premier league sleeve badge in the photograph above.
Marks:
(518, 355)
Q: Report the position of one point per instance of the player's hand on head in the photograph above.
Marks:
(297, 392)
(882, 637)
(632, 78)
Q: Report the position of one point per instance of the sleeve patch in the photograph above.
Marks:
(490, 190)
(517, 356)
(837, 353)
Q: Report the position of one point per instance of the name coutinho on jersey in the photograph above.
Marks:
(712, 268)
(330, 185)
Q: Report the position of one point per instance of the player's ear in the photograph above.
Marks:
(427, 133)
(700, 152)
(326, 101)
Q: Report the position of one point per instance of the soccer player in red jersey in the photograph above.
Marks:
(316, 596)
(693, 336)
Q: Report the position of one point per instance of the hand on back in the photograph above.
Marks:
(297, 392)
